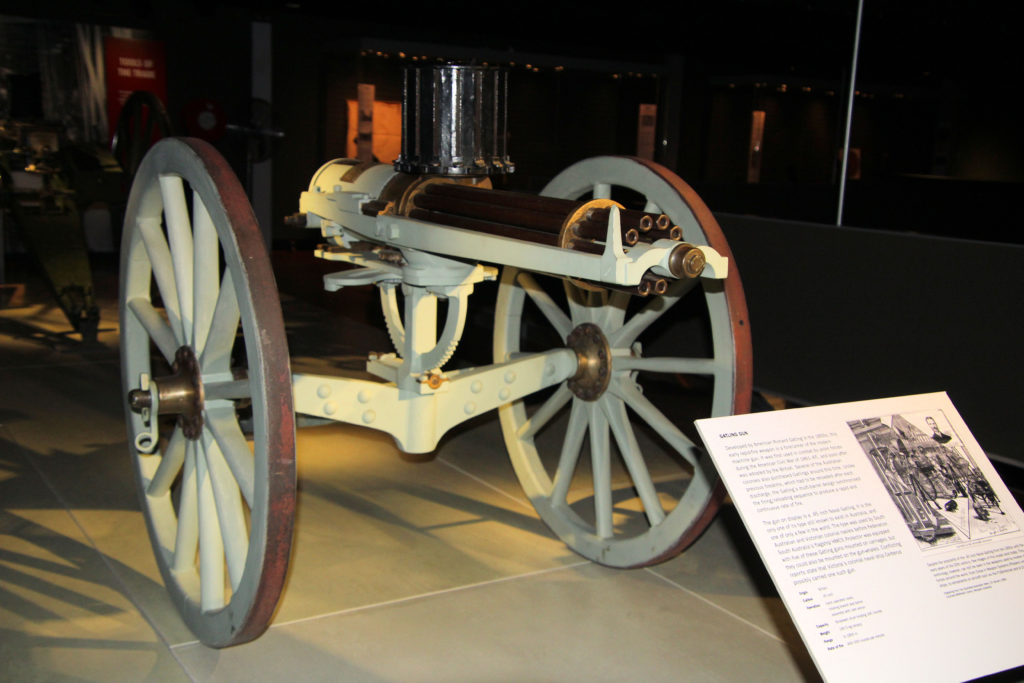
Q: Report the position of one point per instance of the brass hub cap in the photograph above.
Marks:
(185, 394)
(594, 362)
(179, 394)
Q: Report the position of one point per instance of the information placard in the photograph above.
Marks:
(895, 546)
(132, 65)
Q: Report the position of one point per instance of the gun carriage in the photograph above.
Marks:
(203, 342)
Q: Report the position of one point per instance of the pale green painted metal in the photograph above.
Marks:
(337, 212)
(416, 414)
(418, 417)
(440, 262)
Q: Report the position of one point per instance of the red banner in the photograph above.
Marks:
(133, 65)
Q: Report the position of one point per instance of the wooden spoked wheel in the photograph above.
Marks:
(645, 490)
(201, 321)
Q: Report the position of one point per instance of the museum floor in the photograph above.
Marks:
(402, 570)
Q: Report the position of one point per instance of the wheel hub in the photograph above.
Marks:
(179, 394)
(188, 397)
(594, 362)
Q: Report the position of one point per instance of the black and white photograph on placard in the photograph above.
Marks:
(931, 477)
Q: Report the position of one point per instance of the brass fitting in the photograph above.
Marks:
(686, 261)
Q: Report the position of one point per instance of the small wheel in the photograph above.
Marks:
(644, 377)
(210, 336)
(142, 122)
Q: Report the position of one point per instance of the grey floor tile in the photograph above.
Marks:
(578, 623)
(403, 568)
(63, 613)
(373, 526)
(69, 421)
(39, 333)
(723, 566)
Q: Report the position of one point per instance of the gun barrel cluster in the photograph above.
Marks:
(543, 220)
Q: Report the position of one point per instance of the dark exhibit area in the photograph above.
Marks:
(933, 133)
(935, 147)
(858, 164)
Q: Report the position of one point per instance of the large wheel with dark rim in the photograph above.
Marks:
(200, 314)
(652, 365)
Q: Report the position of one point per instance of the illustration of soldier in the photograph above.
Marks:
(936, 432)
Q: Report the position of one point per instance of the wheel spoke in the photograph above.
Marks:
(207, 271)
(170, 465)
(211, 547)
(626, 390)
(570, 455)
(187, 539)
(578, 308)
(216, 356)
(163, 272)
(543, 415)
(628, 333)
(555, 315)
(601, 464)
(680, 366)
(224, 427)
(179, 236)
(615, 410)
(156, 327)
(614, 311)
(229, 390)
(230, 513)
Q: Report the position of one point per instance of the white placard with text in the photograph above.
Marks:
(895, 546)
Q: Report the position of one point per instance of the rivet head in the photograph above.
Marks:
(504, 393)
(364, 396)
(323, 391)
(476, 387)
(369, 416)
(330, 408)
(510, 377)
(470, 408)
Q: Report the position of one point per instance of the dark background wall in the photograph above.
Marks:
(838, 314)
(933, 114)
(557, 116)
(847, 314)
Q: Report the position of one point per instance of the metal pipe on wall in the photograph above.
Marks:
(849, 113)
